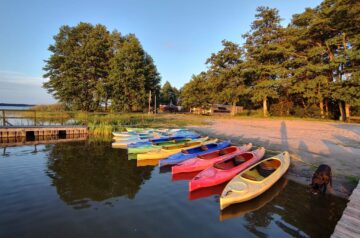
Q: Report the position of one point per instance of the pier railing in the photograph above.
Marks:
(16, 118)
(13, 118)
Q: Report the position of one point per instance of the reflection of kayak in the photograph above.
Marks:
(241, 209)
(225, 170)
(204, 161)
(166, 151)
(147, 162)
(193, 152)
(183, 176)
(207, 192)
(255, 180)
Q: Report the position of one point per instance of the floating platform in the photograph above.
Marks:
(349, 223)
(20, 141)
(36, 131)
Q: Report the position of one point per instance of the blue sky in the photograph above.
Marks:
(180, 35)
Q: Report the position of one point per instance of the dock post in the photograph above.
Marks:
(3, 117)
(35, 118)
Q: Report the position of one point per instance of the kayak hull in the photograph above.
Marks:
(166, 151)
(205, 161)
(191, 153)
(213, 176)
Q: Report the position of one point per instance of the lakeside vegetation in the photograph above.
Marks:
(310, 68)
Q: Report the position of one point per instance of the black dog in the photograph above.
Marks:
(321, 178)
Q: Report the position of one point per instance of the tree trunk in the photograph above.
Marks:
(233, 109)
(327, 108)
(347, 111)
(265, 109)
(342, 115)
(321, 108)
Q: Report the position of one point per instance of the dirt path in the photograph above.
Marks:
(310, 144)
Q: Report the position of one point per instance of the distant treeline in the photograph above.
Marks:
(309, 68)
(90, 67)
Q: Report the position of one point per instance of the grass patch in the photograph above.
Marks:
(353, 179)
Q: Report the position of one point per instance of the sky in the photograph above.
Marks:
(179, 34)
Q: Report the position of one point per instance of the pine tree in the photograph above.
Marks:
(225, 75)
(265, 55)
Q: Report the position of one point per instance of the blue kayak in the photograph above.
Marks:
(191, 153)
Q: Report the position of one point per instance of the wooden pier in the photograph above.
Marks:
(36, 131)
(349, 223)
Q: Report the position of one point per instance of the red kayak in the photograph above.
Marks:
(225, 170)
(205, 161)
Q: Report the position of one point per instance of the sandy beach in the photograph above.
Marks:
(310, 144)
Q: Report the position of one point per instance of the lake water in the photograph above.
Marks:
(88, 189)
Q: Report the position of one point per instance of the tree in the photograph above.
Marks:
(168, 94)
(196, 92)
(78, 65)
(265, 55)
(308, 64)
(225, 74)
(132, 75)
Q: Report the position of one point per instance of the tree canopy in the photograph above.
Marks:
(308, 68)
(90, 67)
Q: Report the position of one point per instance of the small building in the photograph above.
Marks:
(214, 109)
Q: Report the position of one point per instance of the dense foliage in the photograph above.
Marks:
(169, 94)
(309, 68)
(90, 67)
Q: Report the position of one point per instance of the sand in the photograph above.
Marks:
(310, 144)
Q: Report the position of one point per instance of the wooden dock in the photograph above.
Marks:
(349, 223)
(35, 131)
(20, 141)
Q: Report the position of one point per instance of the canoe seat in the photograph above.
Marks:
(252, 174)
(204, 148)
(222, 152)
(239, 160)
(268, 167)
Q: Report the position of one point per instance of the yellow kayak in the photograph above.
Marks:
(255, 180)
(166, 151)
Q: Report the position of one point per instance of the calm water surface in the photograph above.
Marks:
(88, 189)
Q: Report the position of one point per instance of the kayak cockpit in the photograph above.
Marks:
(218, 153)
(262, 170)
(233, 161)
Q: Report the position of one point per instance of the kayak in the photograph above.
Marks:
(255, 180)
(134, 137)
(147, 162)
(124, 144)
(193, 152)
(225, 170)
(139, 148)
(135, 142)
(166, 151)
(133, 129)
(255, 204)
(204, 161)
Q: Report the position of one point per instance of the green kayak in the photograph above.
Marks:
(148, 148)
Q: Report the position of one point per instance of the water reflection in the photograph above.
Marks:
(92, 171)
(207, 192)
(292, 209)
